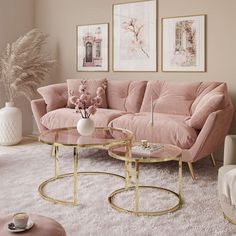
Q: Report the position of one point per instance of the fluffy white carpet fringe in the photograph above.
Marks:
(24, 167)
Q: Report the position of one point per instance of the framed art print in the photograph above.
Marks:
(134, 36)
(92, 47)
(183, 43)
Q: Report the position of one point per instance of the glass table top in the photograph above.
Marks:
(71, 137)
(163, 152)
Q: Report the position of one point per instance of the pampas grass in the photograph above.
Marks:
(23, 66)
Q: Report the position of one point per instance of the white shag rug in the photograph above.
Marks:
(25, 166)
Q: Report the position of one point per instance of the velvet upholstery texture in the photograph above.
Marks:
(55, 96)
(125, 95)
(195, 116)
(170, 129)
(203, 89)
(66, 117)
(209, 103)
(92, 85)
(39, 109)
(169, 97)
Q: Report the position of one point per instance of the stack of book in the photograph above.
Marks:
(146, 151)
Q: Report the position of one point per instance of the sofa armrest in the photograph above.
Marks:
(230, 150)
(211, 136)
(39, 109)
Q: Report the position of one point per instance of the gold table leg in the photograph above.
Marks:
(52, 151)
(127, 174)
(136, 186)
(128, 166)
(56, 158)
(180, 179)
(75, 176)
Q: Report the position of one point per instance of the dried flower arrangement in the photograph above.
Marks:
(85, 104)
(23, 66)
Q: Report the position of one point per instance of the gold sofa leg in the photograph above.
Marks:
(213, 159)
(190, 166)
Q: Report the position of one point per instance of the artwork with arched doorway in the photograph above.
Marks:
(183, 43)
(92, 47)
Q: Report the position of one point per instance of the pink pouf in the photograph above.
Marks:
(43, 226)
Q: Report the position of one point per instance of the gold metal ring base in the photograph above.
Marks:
(63, 202)
(229, 219)
(144, 213)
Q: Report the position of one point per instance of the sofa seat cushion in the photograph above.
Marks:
(66, 117)
(166, 129)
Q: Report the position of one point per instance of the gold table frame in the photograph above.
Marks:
(128, 159)
(55, 154)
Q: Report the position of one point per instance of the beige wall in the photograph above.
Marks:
(16, 18)
(60, 17)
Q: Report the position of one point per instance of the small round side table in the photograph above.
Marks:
(42, 226)
(164, 152)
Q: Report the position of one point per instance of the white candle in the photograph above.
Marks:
(152, 117)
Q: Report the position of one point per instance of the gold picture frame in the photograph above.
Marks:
(184, 43)
(135, 36)
(92, 47)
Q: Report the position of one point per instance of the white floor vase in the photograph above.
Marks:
(10, 125)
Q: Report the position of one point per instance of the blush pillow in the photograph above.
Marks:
(209, 103)
(92, 85)
(54, 95)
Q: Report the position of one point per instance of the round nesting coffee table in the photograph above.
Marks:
(141, 154)
(102, 137)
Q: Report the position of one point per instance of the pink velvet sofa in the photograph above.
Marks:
(195, 116)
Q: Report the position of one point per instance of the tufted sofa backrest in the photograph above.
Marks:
(125, 95)
(169, 97)
(179, 98)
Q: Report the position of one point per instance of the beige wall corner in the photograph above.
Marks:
(16, 19)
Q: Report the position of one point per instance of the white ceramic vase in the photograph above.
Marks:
(10, 125)
(85, 126)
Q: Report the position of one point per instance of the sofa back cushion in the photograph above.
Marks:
(125, 95)
(206, 103)
(55, 95)
(169, 97)
(208, 87)
(92, 85)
